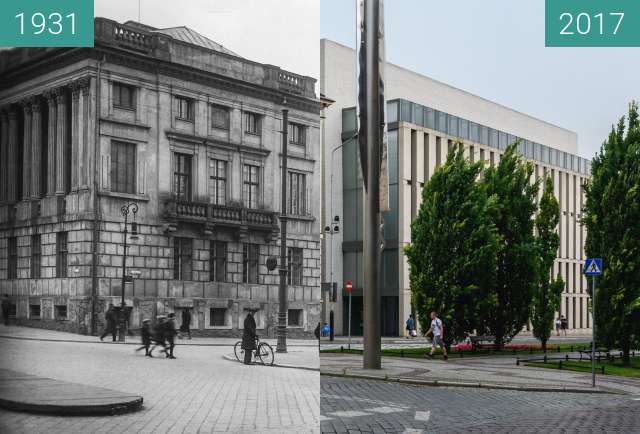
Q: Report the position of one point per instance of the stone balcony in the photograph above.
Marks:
(237, 218)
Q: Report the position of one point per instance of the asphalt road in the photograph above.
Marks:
(364, 406)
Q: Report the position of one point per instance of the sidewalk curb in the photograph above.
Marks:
(110, 409)
(98, 341)
(449, 383)
(275, 365)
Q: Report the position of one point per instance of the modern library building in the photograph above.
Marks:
(425, 118)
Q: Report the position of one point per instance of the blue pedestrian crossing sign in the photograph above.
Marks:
(593, 267)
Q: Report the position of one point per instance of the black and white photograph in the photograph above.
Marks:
(146, 286)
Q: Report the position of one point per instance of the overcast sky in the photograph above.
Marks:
(279, 32)
(495, 49)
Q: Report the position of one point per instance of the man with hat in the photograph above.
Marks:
(159, 333)
(145, 333)
(170, 334)
(249, 336)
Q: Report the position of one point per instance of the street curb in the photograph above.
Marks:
(478, 385)
(110, 409)
(178, 343)
(275, 365)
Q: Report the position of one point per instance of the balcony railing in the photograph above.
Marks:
(221, 214)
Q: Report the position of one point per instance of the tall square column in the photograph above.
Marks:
(36, 147)
(12, 155)
(26, 151)
(51, 142)
(61, 141)
(4, 163)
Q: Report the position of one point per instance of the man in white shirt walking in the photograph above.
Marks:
(437, 331)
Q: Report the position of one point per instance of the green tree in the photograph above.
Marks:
(453, 244)
(611, 216)
(548, 291)
(515, 274)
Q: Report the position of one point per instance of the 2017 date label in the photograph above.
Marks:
(592, 23)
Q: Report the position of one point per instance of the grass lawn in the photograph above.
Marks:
(610, 368)
(515, 350)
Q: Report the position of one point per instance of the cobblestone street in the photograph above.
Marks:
(364, 406)
(199, 392)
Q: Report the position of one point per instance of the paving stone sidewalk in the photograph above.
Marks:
(476, 372)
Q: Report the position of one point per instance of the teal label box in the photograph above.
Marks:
(592, 23)
(46, 23)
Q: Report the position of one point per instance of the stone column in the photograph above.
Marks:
(84, 159)
(12, 153)
(52, 129)
(36, 147)
(26, 151)
(61, 141)
(4, 163)
(75, 133)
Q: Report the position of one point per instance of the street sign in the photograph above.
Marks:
(348, 286)
(593, 267)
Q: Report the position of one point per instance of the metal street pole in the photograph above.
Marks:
(349, 320)
(122, 321)
(372, 217)
(593, 332)
(282, 290)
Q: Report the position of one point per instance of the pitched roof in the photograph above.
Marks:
(190, 36)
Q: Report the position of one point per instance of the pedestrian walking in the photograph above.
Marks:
(564, 324)
(558, 325)
(110, 323)
(170, 334)
(249, 337)
(146, 334)
(437, 329)
(159, 334)
(6, 306)
(410, 327)
(185, 327)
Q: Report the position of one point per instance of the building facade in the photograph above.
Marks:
(425, 118)
(191, 133)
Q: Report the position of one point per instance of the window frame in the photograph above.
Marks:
(248, 198)
(295, 266)
(297, 198)
(300, 317)
(62, 254)
(12, 258)
(212, 316)
(252, 123)
(219, 181)
(190, 108)
(117, 88)
(36, 256)
(218, 260)
(180, 176)
(130, 185)
(250, 261)
(297, 134)
(182, 249)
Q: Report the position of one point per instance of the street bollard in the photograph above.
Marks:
(517, 361)
(545, 358)
(566, 357)
(560, 365)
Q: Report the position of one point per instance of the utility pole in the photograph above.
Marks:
(373, 162)
(282, 290)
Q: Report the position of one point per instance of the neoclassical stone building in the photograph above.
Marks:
(190, 132)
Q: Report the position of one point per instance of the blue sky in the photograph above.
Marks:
(495, 49)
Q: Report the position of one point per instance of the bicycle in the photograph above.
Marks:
(263, 351)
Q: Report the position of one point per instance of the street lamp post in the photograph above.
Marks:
(281, 331)
(331, 230)
(130, 208)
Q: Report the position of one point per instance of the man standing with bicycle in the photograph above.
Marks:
(249, 337)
